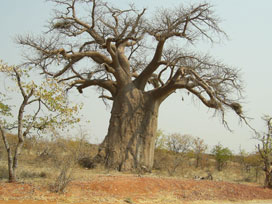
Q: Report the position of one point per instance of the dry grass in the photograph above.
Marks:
(34, 166)
(132, 189)
(44, 165)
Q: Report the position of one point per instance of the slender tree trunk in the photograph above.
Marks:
(17, 153)
(197, 160)
(14, 162)
(11, 169)
(130, 142)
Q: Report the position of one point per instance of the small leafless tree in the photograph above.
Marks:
(199, 148)
(179, 145)
(265, 151)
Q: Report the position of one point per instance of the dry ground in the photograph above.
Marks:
(134, 189)
(37, 172)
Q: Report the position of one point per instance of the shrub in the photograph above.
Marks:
(222, 155)
(63, 179)
(30, 174)
(86, 162)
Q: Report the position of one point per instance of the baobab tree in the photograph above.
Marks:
(137, 61)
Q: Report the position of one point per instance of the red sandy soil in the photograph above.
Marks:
(133, 189)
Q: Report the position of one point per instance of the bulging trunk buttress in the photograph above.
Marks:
(130, 141)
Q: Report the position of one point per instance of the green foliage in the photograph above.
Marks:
(47, 98)
(43, 105)
(4, 109)
(222, 155)
(54, 97)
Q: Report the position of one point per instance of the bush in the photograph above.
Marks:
(222, 155)
(161, 157)
(86, 162)
(27, 174)
(63, 179)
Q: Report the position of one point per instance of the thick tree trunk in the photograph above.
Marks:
(130, 141)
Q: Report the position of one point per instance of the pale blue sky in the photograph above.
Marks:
(248, 24)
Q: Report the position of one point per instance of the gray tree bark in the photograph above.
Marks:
(130, 142)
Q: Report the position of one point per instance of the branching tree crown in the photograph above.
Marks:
(179, 143)
(126, 47)
(136, 61)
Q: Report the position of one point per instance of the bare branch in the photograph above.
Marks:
(106, 97)
(4, 137)
(18, 78)
(117, 41)
(30, 125)
(151, 67)
(106, 84)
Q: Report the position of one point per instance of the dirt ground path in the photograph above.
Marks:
(123, 189)
(120, 202)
